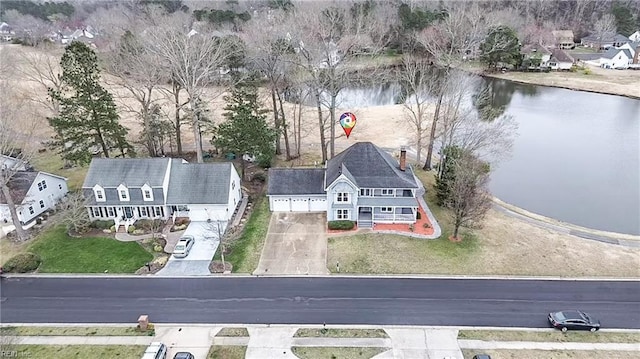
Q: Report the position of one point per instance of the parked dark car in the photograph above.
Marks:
(183, 355)
(481, 356)
(573, 320)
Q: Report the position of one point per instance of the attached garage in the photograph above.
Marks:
(296, 190)
(298, 204)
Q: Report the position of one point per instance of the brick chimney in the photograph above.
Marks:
(403, 158)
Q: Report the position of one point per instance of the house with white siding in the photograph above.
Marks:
(127, 189)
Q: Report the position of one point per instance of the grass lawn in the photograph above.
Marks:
(340, 333)
(75, 331)
(245, 251)
(510, 246)
(551, 354)
(336, 352)
(227, 352)
(51, 162)
(233, 332)
(554, 336)
(63, 254)
(9, 249)
(76, 351)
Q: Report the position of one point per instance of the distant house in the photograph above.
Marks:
(535, 56)
(6, 33)
(12, 163)
(604, 42)
(635, 37)
(66, 36)
(363, 183)
(127, 189)
(616, 58)
(33, 192)
(563, 39)
(560, 60)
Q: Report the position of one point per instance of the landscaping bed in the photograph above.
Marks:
(549, 336)
(336, 352)
(340, 333)
(233, 332)
(75, 351)
(227, 352)
(72, 331)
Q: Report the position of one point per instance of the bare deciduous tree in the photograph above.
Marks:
(42, 67)
(330, 39)
(194, 62)
(75, 215)
(605, 28)
(420, 83)
(30, 29)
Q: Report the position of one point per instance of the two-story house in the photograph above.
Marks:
(33, 192)
(127, 189)
(363, 183)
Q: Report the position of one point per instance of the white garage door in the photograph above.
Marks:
(318, 205)
(299, 204)
(280, 205)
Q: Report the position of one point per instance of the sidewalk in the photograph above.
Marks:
(277, 341)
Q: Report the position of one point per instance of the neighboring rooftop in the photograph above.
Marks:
(132, 172)
(532, 49)
(561, 56)
(199, 183)
(293, 181)
(19, 185)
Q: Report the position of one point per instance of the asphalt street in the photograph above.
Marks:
(337, 300)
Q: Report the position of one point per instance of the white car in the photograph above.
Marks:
(183, 247)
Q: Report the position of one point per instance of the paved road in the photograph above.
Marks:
(270, 300)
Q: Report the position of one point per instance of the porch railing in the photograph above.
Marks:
(394, 217)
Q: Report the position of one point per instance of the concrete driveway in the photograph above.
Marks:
(296, 244)
(201, 254)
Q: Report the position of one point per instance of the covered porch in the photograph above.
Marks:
(386, 210)
(126, 215)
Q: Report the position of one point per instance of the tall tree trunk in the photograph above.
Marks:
(456, 228)
(178, 122)
(332, 118)
(276, 118)
(323, 144)
(196, 136)
(419, 143)
(432, 134)
(285, 130)
(20, 232)
(100, 138)
(147, 124)
(242, 167)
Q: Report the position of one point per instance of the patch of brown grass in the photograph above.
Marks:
(554, 354)
(550, 336)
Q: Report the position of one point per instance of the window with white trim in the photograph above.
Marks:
(39, 186)
(386, 209)
(143, 211)
(147, 194)
(342, 197)
(44, 184)
(124, 195)
(99, 195)
(342, 214)
(387, 191)
(366, 192)
(96, 212)
(111, 212)
(41, 204)
(31, 210)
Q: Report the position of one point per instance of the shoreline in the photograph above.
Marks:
(566, 227)
(572, 88)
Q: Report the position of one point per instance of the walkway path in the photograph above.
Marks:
(277, 341)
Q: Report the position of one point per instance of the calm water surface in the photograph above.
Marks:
(576, 157)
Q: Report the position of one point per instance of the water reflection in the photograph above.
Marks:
(576, 157)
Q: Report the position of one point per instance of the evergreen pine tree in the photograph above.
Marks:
(245, 130)
(88, 121)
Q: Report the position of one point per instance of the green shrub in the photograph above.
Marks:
(22, 263)
(587, 71)
(157, 248)
(144, 224)
(341, 225)
(103, 224)
(113, 228)
(131, 229)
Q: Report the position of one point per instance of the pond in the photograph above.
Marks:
(576, 157)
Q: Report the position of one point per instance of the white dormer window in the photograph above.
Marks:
(387, 192)
(123, 193)
(98, 192)
(147, 193)
(342, 197)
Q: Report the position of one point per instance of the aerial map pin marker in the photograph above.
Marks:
(348, 122)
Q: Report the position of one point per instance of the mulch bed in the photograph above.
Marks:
(216, 267)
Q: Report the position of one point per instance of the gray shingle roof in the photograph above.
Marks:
(369, 167)
(613, 52)
(561, 55)
(132, 172)
(199, 183)
(112, 198)
(295, 181)
(611, 38)
(19, 185)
